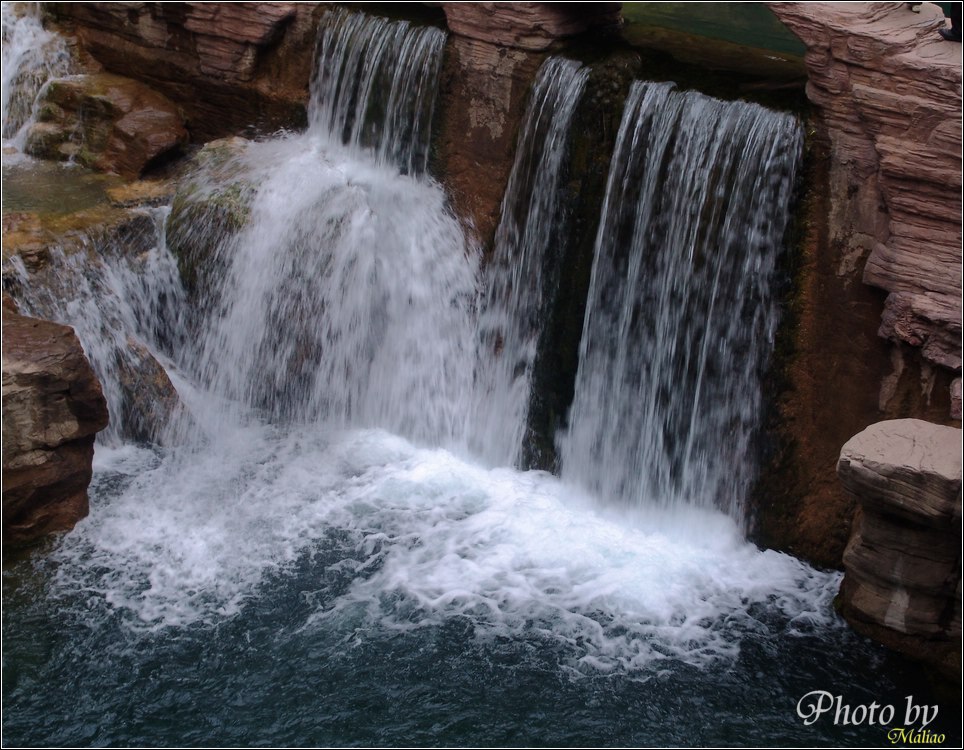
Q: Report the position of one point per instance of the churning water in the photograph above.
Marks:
(317, 555)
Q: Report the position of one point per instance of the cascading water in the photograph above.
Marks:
(124, 308)
(521, 273)
(681, 313)
(292, 573)
(31, 56)
(360, 57)
(348, 293)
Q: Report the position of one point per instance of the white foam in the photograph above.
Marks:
(520, 554)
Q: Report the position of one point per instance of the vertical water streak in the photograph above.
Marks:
(375, 86)
(524, 264)
(681, 314)
(31, 56)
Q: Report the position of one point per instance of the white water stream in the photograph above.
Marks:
(333, 388)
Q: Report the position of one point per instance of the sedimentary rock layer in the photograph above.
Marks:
(889, 89)
(229, 66)
(529, 26)
(902, 583)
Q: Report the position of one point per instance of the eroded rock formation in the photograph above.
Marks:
(229, 66)
(105, 122)
(902, 584)
(889, 90)
(52, 408)
(879, 75)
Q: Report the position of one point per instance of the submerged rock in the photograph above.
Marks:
(52, 408)
(105, 122)
(141, 193)
(150, 400)
(902, 584)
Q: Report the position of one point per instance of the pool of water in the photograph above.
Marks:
(358, 590)
(746, 38)
(52, 188)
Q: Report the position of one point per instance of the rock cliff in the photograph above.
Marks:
(889, 90)
(52, 408)
(902, 584)
(875, 331)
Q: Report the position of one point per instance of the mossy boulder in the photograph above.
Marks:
(106, 122)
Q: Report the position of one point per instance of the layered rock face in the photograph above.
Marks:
(902, 584)
(883, 177)
(105, 122)
(229, 66)
(889, 90)
(529, 26)
(52, 408)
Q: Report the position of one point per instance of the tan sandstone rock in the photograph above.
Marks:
(903, 566)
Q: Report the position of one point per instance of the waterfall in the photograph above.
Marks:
(362, 57)
(681, 312)
(315, 532)
(31, 56)
(347, 297)
(524, 265)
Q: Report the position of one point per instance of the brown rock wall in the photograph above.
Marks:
(482, 101)
(528, 26)
(889, 90)
(231, 67)
(52, 408)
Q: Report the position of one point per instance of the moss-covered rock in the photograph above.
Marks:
(105, 122)
(211, 205)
